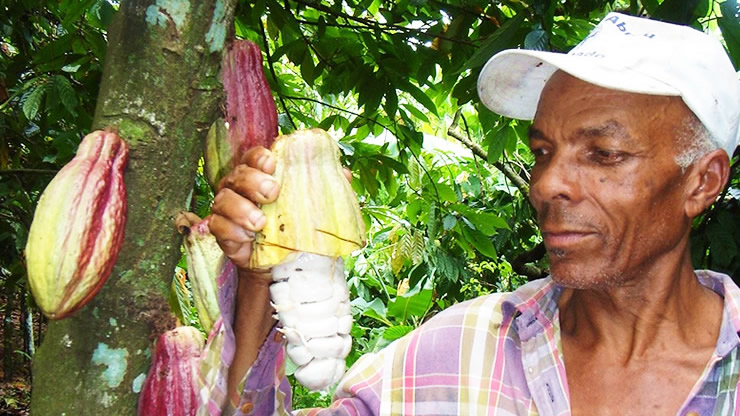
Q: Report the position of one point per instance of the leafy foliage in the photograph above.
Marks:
(442, 181)
(50, 67)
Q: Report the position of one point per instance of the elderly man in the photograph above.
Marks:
(631, 136)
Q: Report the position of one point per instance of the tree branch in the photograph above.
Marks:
(407, 30)
(270, 64)
(510, 174)
(375, 25)
(521, 266)
(313, 100)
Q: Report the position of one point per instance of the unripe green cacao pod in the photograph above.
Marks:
(171, 386)
(205, 260)
(251, 115)
(78, 226)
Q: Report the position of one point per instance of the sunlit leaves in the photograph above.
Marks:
(730, 25)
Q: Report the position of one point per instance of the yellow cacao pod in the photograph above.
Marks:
(316, 210)
(78, 226)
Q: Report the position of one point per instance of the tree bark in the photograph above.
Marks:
(161, 90)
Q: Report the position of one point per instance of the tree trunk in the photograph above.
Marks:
(161, 90)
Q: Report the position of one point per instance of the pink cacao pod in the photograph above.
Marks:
(78, 226)
(171, 386)
(250, 111)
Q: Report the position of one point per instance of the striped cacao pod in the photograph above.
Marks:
(171, 386)
(205, 261)
(78, 226)
(315, 220)
(251, 116)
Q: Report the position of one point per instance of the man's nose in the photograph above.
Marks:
(555, 180)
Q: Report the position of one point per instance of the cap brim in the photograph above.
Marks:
(511, 82)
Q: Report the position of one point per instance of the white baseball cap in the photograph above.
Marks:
(629, 54)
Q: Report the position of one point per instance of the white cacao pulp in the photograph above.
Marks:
(309, 293)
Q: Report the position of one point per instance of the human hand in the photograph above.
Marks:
(235, 215)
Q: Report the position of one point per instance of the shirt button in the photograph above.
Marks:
(531, 370)
(247, 407)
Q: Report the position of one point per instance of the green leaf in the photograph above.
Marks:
(392, 163)
(74, 12)
(432, 220)
(650, 6)
(414, 303)
(446, 193)
(676, 11)
(375, 309)
(395, 332)
(418, 247)
(415, 112)
(448, 222)
(485, 222)
(498, 41)
(498, 141)
(480, 241)
(97, 44)
(537, 40)
(308, 70)
(391, 103)
(412, 210)
(66, 92)
(419, 95)
(729, 24)
(179, 298)
(32, 102)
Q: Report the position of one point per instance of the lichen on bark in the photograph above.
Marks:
(153, 92)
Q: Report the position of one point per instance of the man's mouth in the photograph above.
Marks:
(564, 239)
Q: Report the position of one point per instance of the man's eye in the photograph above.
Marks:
(539, 151)
(606, 156)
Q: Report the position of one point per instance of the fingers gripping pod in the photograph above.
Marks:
(315, 220)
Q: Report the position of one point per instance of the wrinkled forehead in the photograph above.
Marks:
(571, 100)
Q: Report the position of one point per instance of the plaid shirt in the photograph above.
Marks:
(495, 355)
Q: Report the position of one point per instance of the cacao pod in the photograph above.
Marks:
(78, 226)
(315, 220)
(251, 115)
(171, 386)
(316, 210)
(205, 261)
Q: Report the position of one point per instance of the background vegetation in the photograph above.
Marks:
(442, 181)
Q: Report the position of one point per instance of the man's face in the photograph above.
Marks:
(607, 190)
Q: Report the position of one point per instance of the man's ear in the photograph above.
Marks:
(707, 178)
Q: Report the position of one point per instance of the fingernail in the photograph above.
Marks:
(261, 162)
(257, 218)
(266, 188)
